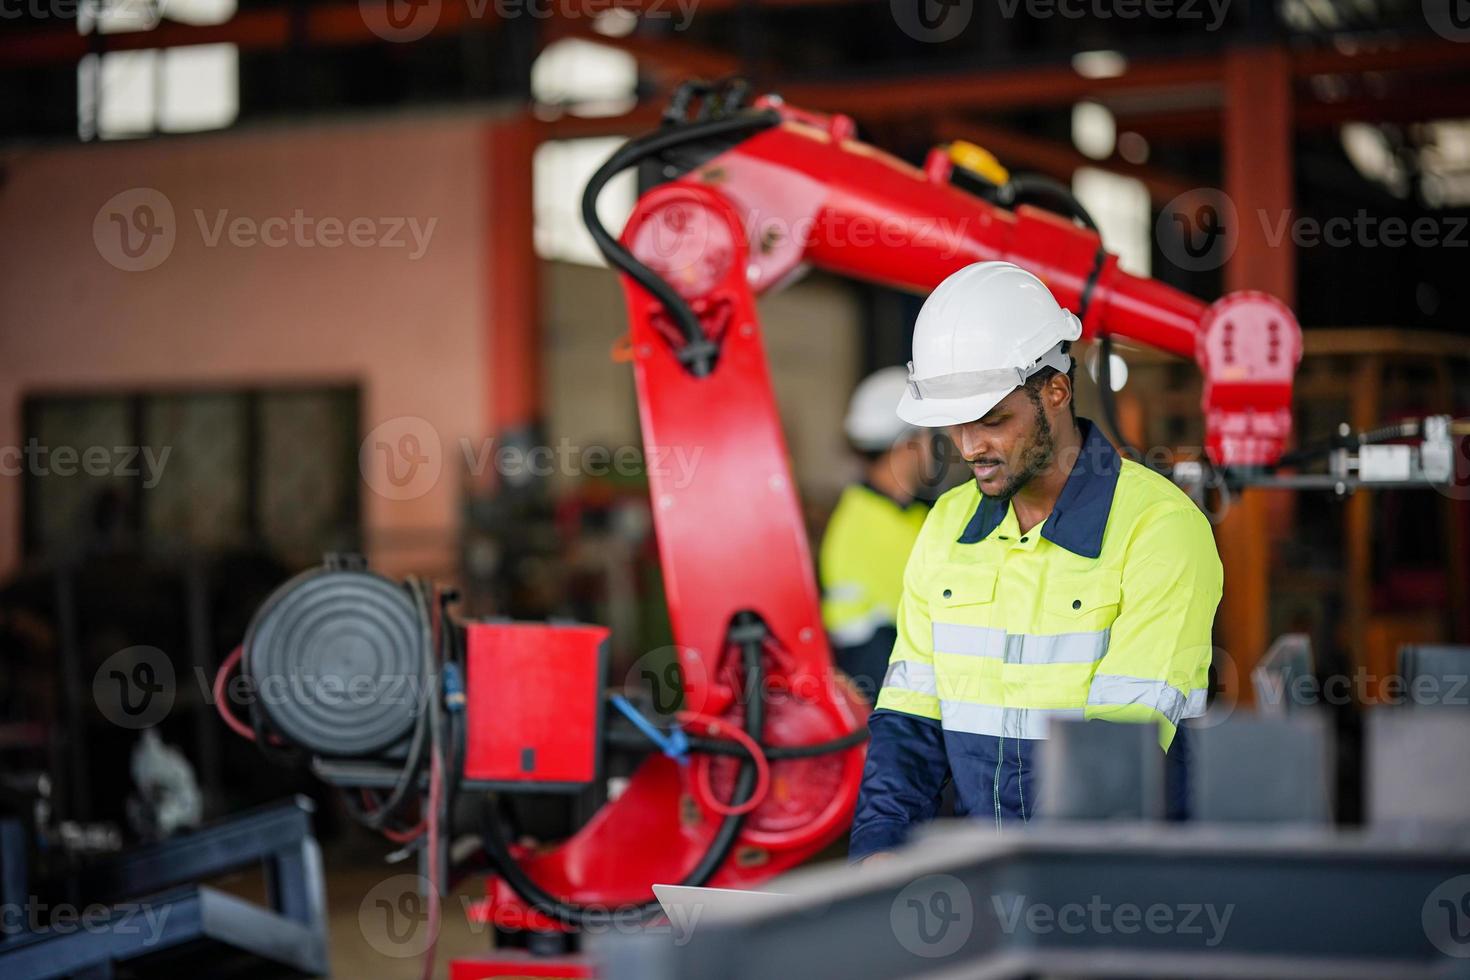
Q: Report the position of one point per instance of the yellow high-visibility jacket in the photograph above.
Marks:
(863, 554)
(1104, 610)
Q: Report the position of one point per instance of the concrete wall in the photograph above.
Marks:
(408, 328)
(268, 302)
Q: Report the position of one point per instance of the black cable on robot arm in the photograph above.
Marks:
(634, 152)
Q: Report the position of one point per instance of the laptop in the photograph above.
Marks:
(686, 906)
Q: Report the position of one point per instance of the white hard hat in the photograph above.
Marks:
(980, 335)
(872, 424)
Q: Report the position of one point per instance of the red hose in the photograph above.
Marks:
(221, 704)
(719, 728)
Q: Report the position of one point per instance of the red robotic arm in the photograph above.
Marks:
(753, 195)
(804, 191)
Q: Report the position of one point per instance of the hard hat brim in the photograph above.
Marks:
(935, 413)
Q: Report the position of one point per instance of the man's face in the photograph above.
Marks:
(1009, 446)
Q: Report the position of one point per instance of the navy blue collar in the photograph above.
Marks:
(913, 501)
(1080, 516)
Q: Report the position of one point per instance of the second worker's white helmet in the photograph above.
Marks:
(979, 336)
(872, 424)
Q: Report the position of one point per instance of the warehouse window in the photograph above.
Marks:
(584, 79)
(1120, 206)
(581, 78)
(561, 169)
(123, 94)
(182, 471)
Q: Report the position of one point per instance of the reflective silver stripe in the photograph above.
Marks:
(986, 719)
(975, 641)
(984, 641)
(909, 675)
(1065, 648)
(860, 630)
(1113, 690)
(844, 592)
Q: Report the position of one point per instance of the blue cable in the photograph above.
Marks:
(675, 744)
(453, 683)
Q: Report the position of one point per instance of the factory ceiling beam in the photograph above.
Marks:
(265, 29)
(1008, 88)
(1057, 159)
(668, 60)
(1203, 124)
(344, 24)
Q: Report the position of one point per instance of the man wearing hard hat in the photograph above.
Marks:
(872, 530)
(1063, 582)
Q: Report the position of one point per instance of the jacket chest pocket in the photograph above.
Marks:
(962, 593)
(1081, 602)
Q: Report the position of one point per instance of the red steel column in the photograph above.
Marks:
(1257, 145)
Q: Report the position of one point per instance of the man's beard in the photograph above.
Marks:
(1034, 457)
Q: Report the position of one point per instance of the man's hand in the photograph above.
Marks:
(877, 857)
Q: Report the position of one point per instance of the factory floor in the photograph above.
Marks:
(376, 929)
(358, 927)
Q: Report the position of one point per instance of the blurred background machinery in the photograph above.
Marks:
(203, 397)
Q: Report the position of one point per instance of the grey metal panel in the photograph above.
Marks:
(1435, 675)
(958, 904)
(1249, 769)
(1418, 768)
(1096, 770)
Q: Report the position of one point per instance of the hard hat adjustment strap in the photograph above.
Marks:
(963, 384)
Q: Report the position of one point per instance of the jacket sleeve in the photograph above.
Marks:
(1159, 647)
(906, 767)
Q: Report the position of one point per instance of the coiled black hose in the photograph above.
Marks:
(700, 356)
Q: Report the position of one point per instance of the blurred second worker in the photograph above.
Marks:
(873, 529)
